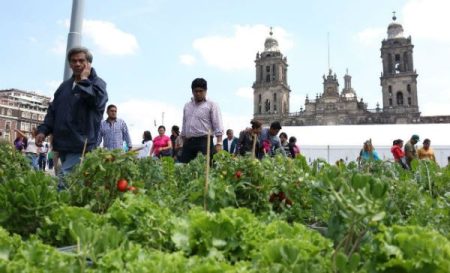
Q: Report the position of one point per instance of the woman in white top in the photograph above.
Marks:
(31, 150)
(147, 143)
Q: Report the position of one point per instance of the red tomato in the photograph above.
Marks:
(122, 185)
(238, 174)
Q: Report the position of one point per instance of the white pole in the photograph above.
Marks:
(74, 37)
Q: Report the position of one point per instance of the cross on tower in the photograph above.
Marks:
(393, 16)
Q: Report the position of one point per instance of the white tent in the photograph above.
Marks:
(345, 141)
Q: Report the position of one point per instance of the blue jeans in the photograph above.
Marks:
(33, 158)
(68, 162)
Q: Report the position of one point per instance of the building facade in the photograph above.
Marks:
(21, 110)
(342, 107)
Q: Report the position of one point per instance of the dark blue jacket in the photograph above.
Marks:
(75, 114)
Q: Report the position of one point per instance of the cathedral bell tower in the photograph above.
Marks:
(399, 79)
(270, 90)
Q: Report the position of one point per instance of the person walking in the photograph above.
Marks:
(201, 116)
(42, 160)
(113, 131)
(411, 150)
(30, 148)
(249, 136)
(294, 150)
(368, 153)
(147, 144)
(162, 146)
(230, 142)
(425, 152)
(173, 138)
(20, 143)
(397, 152)
(285, 144)
(75, 114)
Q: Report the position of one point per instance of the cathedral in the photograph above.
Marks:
(342, 107)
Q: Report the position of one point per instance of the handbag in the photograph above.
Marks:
(165, 153)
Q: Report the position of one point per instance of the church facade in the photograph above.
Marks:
(342, 107)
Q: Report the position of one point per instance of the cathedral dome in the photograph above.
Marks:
(395, 30)
(271, 44)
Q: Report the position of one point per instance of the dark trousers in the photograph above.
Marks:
(42, 161)
(194, 145)
(50, 163)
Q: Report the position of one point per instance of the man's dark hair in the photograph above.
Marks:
(80, 49)
(256, 124)
(426, 141)
(162, 126)
(292, 139)
(176, 129)
(275, 125)
(199, 82)
(111, 106)
(229, 131)
(147, 136)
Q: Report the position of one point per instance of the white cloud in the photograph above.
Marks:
(32, 40)
(245, 92)
(59, 46)
(427, 19)
(142, 115)
(187, 59)
(109, 39)
(371, 36)
(239, 50)
(51, 85)
(236, 122)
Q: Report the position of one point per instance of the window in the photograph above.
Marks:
(259, 109)
(399, 98)
(409, 101)
(397, 57)
(275, 97)
(8, 125)
(9, 112)
(390, 90)
(267, 68)
(259, 98)
(408, 88)
(267, 78)
(267, 105)
(390, 102)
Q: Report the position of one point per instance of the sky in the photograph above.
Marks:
(149, 51)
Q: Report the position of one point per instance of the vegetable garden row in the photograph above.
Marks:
(273, 215)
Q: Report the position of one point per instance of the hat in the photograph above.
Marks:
(415, 137)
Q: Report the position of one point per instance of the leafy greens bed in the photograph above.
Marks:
(274, 215)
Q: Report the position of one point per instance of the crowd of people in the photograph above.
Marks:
(74, 124)
(402, 155)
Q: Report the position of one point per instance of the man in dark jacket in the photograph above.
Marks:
(74, 115)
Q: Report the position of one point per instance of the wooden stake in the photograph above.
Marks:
(208, 152)
(254, 146)
(84, 151)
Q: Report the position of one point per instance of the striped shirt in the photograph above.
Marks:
(200, 117)
(113, 133)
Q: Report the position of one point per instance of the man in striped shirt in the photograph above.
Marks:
(200, 116)
(113, 131)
